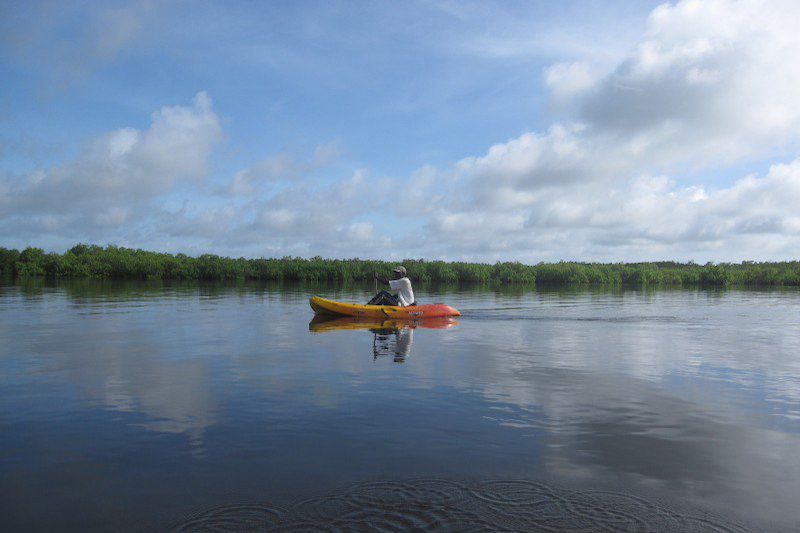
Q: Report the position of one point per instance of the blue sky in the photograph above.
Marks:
(482, 131)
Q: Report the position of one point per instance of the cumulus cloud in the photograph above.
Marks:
(712, 83)
(641, 218)
(115, 175)
(281, 168)
(717, 79)
(333, 217)
(568, 80)
(310, 218)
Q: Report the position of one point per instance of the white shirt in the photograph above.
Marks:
(404, 338)
(405, 294)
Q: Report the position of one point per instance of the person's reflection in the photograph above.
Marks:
(393, 342)
(390, 338)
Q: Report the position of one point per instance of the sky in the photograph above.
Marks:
(482, 131)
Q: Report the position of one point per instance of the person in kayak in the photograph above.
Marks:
(399, 283)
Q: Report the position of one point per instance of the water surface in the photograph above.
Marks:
(146, 405)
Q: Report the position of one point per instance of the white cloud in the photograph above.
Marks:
(250, 180)
(281, 168)
(361, 231)
(568, 80)
(116, 174)
(296, 217)
(311, 219)
(640, 218)
(712, 83)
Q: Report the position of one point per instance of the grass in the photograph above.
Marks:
(112, 262)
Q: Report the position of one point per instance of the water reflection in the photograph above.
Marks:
(184, 396)
(390, 338)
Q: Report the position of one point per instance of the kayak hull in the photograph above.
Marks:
(332, 307)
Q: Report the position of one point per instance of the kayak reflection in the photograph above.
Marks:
(391, 338)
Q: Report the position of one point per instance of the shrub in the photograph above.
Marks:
(84, 260)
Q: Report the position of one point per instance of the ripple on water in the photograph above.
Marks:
(237, 517)
(444, 505)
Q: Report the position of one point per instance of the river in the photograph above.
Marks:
(130, 406)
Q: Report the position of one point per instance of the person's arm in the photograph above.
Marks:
(382, 280)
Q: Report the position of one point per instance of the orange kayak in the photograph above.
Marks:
(325, 306)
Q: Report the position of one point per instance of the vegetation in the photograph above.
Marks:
(112, 262)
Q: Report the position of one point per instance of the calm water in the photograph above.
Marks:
(146, 406)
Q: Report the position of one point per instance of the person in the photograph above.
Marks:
(399, 283)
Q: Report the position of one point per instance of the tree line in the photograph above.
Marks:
(112, 262)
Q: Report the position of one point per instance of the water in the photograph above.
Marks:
(193, 407)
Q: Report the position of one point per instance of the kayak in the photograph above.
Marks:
(326, 323)
(332, 307)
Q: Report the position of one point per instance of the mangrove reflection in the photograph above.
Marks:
(390, 338)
